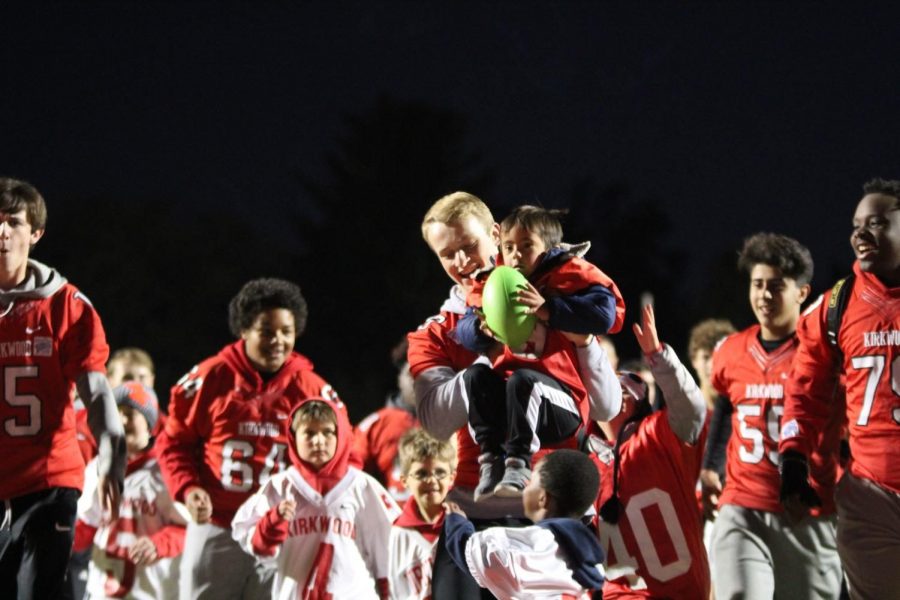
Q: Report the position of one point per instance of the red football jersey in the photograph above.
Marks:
(656, 549)
(228, 430)
(46, 344)
(754, 381)
(433, 345)
(869, 339)
(375, 445)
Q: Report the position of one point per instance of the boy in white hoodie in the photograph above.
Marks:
(325, 523)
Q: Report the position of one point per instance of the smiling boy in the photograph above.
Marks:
(227, 433)
(461, 231)
(427, 468)
(759, 549)
(866, 349)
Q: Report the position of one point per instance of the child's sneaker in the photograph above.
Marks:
(515, 478)
(490, 474)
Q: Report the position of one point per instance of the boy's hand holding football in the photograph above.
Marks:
(536, 303)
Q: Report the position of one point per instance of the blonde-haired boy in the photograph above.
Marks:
(427, 466)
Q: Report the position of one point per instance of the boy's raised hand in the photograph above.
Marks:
(646, 336)
(531, 297)
(287, 509)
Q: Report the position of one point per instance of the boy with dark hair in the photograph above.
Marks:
(53, 342)
(228, 432)
(324, 523)
(558, 555)
(534, 397)
(136, 555)
(861, 342)
(760, 550)
(427, 467)
(649, 463)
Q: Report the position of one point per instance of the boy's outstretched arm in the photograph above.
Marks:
(598, 377)
(106, 426)
(457, 531)
(684, 400)
(592, 310)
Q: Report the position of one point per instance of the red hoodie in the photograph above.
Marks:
(228, 429)
(272, 530)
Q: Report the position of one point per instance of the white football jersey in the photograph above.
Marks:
(146, 507)
(521, 563)
(411, 561)
(336, 543)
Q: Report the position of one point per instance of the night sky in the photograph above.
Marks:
(730, 117)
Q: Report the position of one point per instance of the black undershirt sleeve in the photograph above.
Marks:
(719, 433)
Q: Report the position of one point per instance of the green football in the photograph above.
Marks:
(508, 319)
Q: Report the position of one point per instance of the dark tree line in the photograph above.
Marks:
(162, 277)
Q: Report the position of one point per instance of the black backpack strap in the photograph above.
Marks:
(840, 294)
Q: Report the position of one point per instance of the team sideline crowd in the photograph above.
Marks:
(515, 460)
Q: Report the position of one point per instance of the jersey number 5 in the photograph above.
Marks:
(754, 435)
(15, 426)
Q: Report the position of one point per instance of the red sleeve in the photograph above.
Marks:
(169, 541)
(83, 348)
(576, 274)
(432, 345)
(719, 360)
(384, 589)
(314, 386)
(84, 536)
(179, 445)
(270, 532)
(810, 391)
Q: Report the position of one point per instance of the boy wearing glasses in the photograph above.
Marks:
(428, 467)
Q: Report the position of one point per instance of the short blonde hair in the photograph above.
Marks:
(132, 356)
(416, 445)
(314, 410)
(455, 207)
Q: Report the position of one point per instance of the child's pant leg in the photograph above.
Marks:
(540, 411)
(485, 393)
